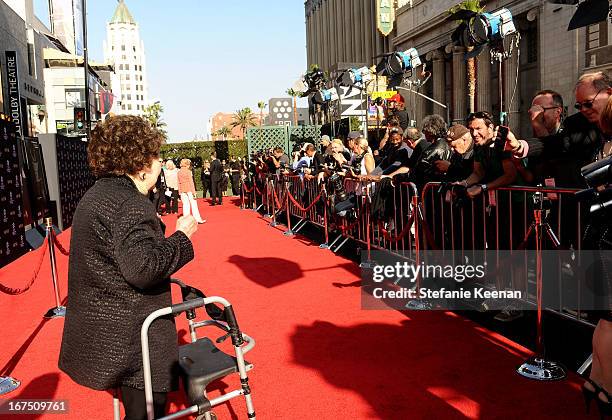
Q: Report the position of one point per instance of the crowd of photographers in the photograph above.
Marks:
(478, 157)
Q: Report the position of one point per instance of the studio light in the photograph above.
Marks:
(323, 96)
(402, 61)
(395, 64)
(480, 29)
(355, 77)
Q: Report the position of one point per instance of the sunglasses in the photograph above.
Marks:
(481, 115)
(586, 104)
(538, 108)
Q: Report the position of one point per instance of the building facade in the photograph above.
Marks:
(223, 119)
(341, 34)
(22, 32)
(124, 50)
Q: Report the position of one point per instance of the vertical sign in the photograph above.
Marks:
(12, 231)
(14, 98)
(385, 16)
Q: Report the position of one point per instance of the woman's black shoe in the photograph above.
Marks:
(605, 408)
(588, 394)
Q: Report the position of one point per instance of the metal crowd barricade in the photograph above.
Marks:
(499, 221)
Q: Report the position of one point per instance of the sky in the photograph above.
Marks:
(206, 56)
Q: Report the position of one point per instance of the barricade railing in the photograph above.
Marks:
(503, 221)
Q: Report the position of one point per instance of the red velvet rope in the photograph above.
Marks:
(277, 201)
(10, 291)
(401, 235)
(300, 208)
(349, 227)
(246, 190)
(59, 245)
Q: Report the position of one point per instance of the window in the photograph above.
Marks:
(123, 57)
(127, 77)
(593, 36)
(123, 48)
(31, 60)
(129, 97)
(134, 48)
(129, 107)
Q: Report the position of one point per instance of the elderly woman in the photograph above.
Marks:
(187, 191)
(119, 270)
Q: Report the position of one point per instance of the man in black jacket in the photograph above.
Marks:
(580, 138)
(216, 174)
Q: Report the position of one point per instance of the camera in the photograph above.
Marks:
(500, 140)
(541, 201)
(459, 196)
(343, 202)
(597, 176)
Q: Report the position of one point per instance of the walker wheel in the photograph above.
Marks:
(213, 416)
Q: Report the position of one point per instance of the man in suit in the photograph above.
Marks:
(216, 174)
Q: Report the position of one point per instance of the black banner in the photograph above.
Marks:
(12, 231)
(12, 78)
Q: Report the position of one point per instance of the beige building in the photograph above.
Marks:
(342, 33)
(548, 57)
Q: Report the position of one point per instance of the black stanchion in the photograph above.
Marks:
(58, 311)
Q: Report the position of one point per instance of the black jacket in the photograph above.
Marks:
(561, 155)
(119, 267)
(425, 170)
(216, 170)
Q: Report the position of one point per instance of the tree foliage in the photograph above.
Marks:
(244, 119)
(153, 114)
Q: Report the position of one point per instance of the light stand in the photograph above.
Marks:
(538, 367)
(429, 99)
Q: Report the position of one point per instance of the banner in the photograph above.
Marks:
(12, 230)
(385, 16)
(14, 97)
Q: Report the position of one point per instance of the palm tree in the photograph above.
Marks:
(294, 94)
(244, 119)
(152, 114)
(223, 132)
(472, 6)
(261, 105)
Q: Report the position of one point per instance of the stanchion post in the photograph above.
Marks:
(538, 367)
(288, 232)
(325, 222)
(8, 384)
(58, 311)
(267, 213)
(368, 263)
(241, 194)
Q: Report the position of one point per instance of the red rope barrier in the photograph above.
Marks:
(59, 245)
(11, 291)
(349, 227)
(401, 235)
(300, 208)
(246, 190)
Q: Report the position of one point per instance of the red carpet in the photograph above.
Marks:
(318, 355)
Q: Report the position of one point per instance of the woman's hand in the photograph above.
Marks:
(187, 225)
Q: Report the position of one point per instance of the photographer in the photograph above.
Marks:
(434, 129)
(308, 162)
(277, 161)
(461, 162)
(580, 138)
(492, 168)
(397, 108)
(397, 161)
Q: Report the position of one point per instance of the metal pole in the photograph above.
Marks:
(288, 232)
(58, 311)
(538, 367)
(86, 69)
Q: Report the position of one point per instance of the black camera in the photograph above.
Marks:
(459, 195)
(597, 176)
(541, 201)
(343, 202)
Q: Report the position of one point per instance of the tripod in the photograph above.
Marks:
(538, 367)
